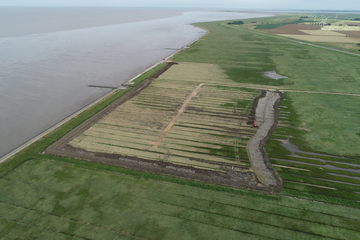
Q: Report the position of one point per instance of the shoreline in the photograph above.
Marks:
(71, 116)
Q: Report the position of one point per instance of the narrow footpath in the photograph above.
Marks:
(173, 121)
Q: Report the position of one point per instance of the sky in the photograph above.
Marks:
(229, 4)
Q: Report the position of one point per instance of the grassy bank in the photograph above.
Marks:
(48, 197)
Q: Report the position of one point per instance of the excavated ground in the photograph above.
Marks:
(266, 116)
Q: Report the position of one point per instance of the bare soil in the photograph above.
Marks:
(353, 34)
(266, 116)
(292, 29)
(311, 38)
(352, 23)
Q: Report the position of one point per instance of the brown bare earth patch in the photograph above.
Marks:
(323, 33)
(189, 121)
(353, 34)
(292, 29)
(352, 23)
(330, 39)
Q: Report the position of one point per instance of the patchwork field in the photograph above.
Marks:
(313, 33)
(342, 28)
(353, 34)
(329, 37)
(192, 117)
(297, 29)
(206, 133)
(323, 33)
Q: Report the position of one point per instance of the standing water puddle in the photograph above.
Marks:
(273, 75)
(293, 149)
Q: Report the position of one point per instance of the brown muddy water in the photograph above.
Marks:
(49, 57)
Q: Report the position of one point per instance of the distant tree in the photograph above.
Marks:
(236, 22)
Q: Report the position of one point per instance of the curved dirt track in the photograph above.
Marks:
(266, 117)
(181, 110)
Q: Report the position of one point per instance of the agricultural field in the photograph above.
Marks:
(191, 118)
(321, 38)
(315, 33)
(314, 149)
(338, 34)
(295, 29)
(202, 136)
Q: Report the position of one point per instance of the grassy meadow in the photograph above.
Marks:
(49, 197)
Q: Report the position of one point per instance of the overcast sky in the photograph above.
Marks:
(230, 4)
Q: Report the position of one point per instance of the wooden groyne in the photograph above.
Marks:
(97, 86)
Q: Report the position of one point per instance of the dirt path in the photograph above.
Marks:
(173, 121)
(266, 116)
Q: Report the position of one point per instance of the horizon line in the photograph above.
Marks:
(204, 7)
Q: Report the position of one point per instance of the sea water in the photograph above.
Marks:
(49, 57)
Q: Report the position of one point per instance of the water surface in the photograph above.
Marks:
(49, 56)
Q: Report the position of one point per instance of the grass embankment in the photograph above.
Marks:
(49, 197)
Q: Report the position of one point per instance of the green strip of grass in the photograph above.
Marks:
(35, 149)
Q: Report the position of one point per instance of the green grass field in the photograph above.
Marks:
(48, 197)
